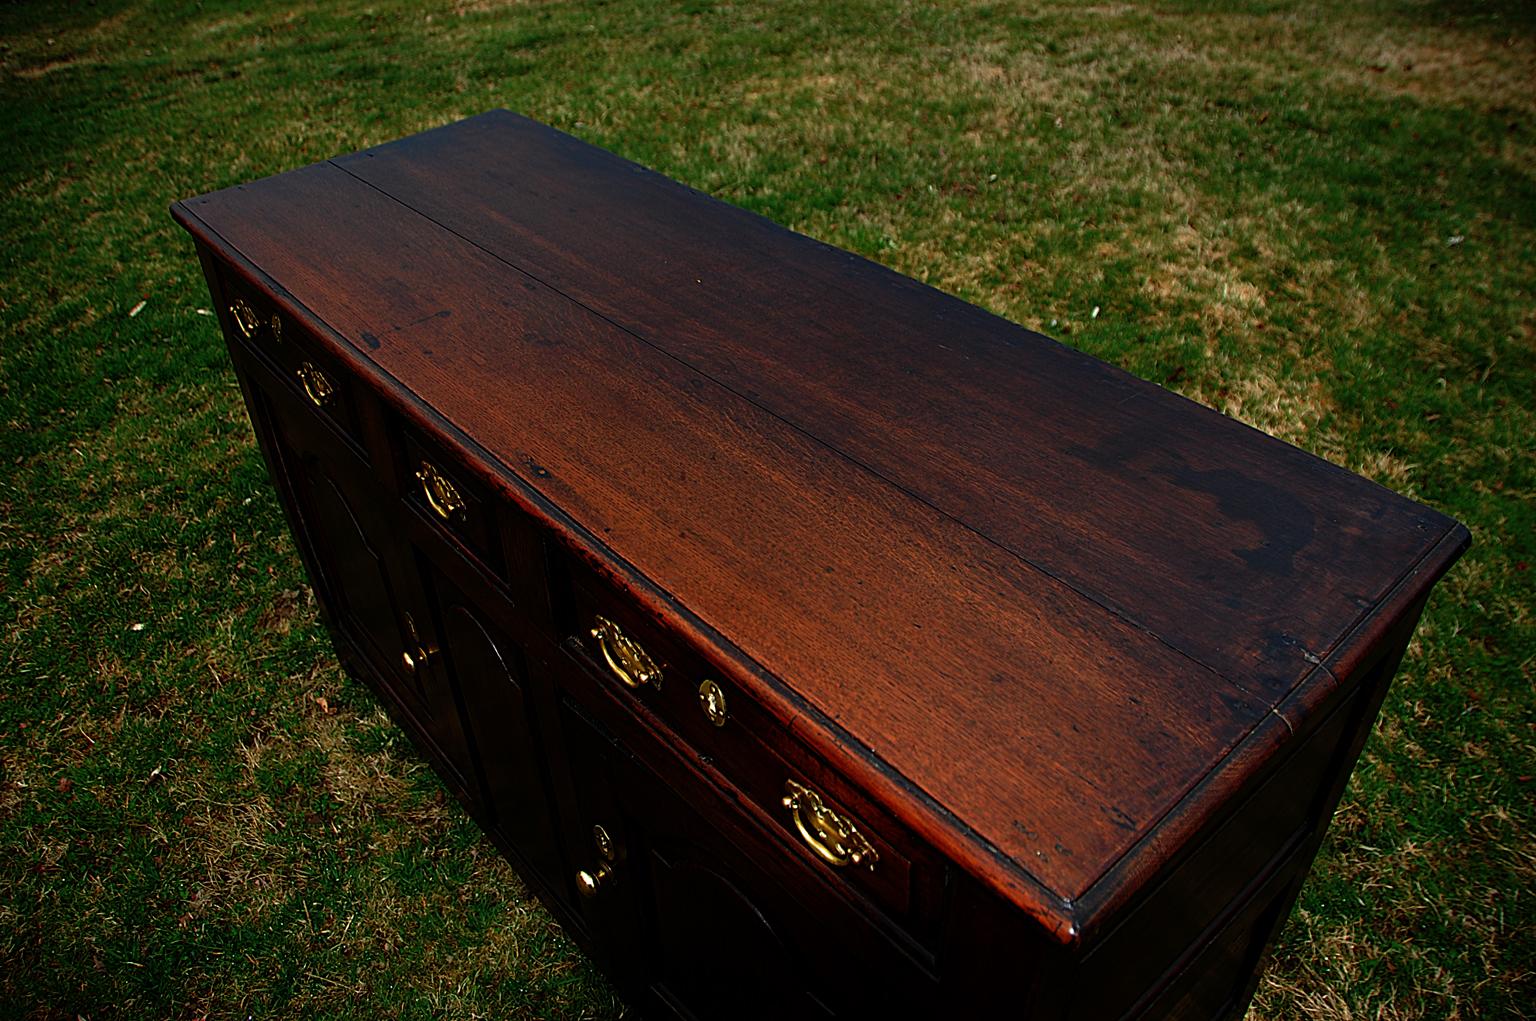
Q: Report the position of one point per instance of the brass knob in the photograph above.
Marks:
(416, 652)
(589, 883)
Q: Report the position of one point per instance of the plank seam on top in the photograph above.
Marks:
(1086, 609)
(1053, 904)
(843, 457)
(819, 441)
(1066, 908)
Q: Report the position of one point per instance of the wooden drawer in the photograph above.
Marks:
(444, 493)
(296, 356)
(825, 821)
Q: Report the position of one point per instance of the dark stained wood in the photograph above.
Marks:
(939, 650)
(754, 751)
(1234, 548)
(490, 672)
(1089, 664)
(851, 964)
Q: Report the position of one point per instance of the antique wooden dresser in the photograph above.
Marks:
(814, 643)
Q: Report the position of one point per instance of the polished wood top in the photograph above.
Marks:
(1032, 601)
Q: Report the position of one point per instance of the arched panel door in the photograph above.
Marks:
(719, 954)
(491, 669)
(360, 592)
(370, 582)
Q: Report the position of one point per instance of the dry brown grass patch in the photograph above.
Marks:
(1445, 66)
(1290, 408)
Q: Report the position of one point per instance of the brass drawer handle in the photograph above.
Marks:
(628, 661)
(442, 496)
(833, 837)
(245, 318)
(316, 384)
(248, 322)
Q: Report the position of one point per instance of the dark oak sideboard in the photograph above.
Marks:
(814, 643)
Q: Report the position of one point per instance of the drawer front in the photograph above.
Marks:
(295, 355)
(443, 492)
(825, 821)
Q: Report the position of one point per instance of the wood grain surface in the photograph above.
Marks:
(1234, 548)
(1050, 597)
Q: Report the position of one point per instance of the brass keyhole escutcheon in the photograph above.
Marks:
(604, 842)
(712, 701)
(631, 664)
(442, 496)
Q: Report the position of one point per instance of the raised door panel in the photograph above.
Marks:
(358, 588)
(711, 917)
(491, 671)
(601, 882)
(370, 583)
(717, 953)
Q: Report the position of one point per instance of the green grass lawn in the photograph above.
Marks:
(1318, 219)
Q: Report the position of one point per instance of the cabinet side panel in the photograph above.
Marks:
(1218, 907)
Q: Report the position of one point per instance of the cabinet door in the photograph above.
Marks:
(683, 921)
(369, 580)
(717, 953)
(491, 673)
